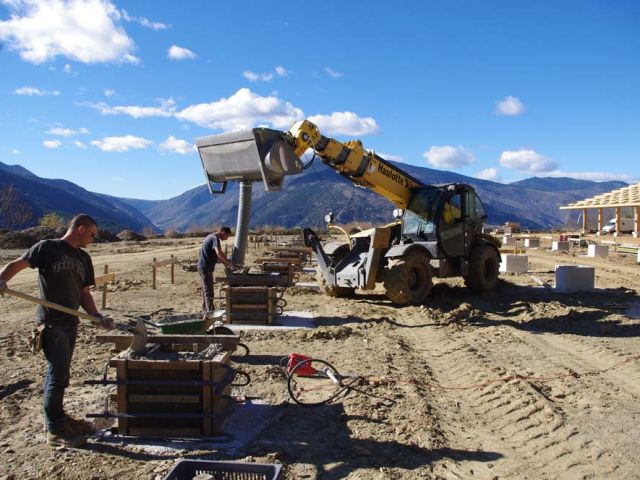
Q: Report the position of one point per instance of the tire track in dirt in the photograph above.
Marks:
(591, 355)
(536, 437)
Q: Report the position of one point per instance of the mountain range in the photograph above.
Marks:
(66, 199)
(303, 201)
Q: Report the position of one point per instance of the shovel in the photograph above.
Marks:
(138, 343)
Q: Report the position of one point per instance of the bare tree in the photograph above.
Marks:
(14, 211)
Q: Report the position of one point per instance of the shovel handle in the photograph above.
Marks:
(54, 306)
(147, 322)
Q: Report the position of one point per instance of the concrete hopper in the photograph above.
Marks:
(260, 154)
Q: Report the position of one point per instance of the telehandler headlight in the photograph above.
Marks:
(398, 213)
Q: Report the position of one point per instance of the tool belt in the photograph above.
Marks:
(35, 339)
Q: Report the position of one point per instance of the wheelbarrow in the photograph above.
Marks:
(193, 326)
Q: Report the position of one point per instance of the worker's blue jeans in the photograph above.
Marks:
(57, 345)
(206, 283)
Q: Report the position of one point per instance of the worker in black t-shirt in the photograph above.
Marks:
(65, 275)
(210, 253)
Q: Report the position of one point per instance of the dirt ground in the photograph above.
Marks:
(522, 382)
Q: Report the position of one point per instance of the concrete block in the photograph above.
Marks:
(598, 250)
(531, 243)
(563, 246)
(514, 263)
(572, 278)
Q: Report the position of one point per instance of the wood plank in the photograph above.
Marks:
(227, 292)
(248, 289)
(292, 249)
(101, 279)
(271, 310)
(292, 260)
(206, 396)
(122, 391)
(228, 342)
(163, 398)
(162, 263)
(186, 365)
(153, 279)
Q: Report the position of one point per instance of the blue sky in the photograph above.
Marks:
(112, 94)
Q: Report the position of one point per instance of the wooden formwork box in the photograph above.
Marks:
(294, 260)
(289, 270)
(173, 398)
(253, 304)
(304, 252)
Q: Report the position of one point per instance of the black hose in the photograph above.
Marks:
(343, 387)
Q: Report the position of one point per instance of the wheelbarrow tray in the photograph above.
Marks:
(192, 326)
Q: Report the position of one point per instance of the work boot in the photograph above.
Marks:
(65, 440)
(74, 426)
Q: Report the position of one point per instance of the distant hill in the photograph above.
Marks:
(306, 198)
(304, 201)
(66, 199)
(555, 184)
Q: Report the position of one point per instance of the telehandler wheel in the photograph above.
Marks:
(484, 265)
(408, 279)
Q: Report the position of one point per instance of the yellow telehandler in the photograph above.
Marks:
(438, 231)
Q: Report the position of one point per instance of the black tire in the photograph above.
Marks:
(484, 268)
(408, 279)
(334, 290)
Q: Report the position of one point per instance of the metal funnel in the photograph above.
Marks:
(248, 156)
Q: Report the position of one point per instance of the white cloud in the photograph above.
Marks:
(67, 69)
(173, 144)
(390, 156)
(86, 31)
(52, 143)
(166, 109)
(345, 123)
(109, 93)
(121, 144)
(180, 53)
(67, 132)
(145, 22)
(332, 73)
(79, 144)
(446, 156)
(593, 176)
(278, 71)
(152, 25)
(527, 161)
(15, 151)
(254, 77)
(488, 174)
(243, 109)
(510, 106)
(32, 91)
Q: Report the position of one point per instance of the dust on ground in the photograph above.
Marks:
(522, 382)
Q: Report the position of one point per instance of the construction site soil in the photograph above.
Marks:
(523, 382)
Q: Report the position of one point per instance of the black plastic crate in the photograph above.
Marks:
(187, 469)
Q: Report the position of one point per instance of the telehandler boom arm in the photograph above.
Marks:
(350, 159)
